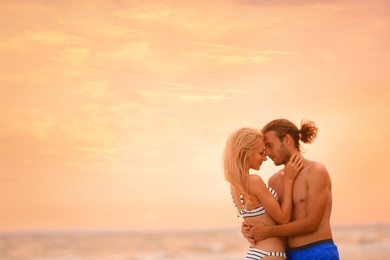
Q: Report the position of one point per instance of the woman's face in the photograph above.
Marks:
(257, 157)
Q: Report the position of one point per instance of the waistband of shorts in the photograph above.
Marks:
(298, 248)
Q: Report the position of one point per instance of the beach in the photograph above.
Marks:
(354, 242)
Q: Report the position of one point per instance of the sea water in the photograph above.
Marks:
(354, 242)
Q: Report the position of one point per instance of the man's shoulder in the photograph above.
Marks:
(316, 169)
(316, 166)
(278, 175)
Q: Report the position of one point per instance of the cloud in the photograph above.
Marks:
(74, 57)
(50, 37)
(112, 31)
(29, 39)
(185, 93)
(187, 20)
(130, 109)
(225, 54)
(151, 12)
(185, 97)
(94, 129)
(94, 89)
(90, 108)
(135, 51)
(95, 27)
(35, 122)
(328, 55)
(287, 3)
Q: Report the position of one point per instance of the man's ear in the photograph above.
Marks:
(288, 139)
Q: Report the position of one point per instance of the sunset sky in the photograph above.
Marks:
(114, 113)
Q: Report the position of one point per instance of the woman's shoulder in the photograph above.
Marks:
(254, 178)
(255, 181)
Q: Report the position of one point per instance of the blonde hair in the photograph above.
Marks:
(237, 152)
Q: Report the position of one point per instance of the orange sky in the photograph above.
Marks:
(114, 114)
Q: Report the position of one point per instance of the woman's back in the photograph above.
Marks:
(255, 211)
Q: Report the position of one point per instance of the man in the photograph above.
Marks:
(309, 234)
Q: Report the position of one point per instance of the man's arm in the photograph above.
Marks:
(318, 183)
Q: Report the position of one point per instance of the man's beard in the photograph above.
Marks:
(285, 155)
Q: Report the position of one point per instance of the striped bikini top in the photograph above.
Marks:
(258, 211)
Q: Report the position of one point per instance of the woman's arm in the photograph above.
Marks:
(318, 183)
(280, 213)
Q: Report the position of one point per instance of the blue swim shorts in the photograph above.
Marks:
(320, 250)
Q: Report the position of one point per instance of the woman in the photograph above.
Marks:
(255, 201)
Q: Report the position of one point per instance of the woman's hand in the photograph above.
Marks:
(293, 167)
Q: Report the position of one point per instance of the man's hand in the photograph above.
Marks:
(255, 231)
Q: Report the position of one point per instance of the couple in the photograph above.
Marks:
(303, 189)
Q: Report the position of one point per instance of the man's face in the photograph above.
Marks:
(276, 149)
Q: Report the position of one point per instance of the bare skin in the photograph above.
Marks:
(261, 195)
(312, 199)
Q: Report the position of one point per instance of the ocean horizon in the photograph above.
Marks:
(220, 243)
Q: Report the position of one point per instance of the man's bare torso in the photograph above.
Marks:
(305, 188)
